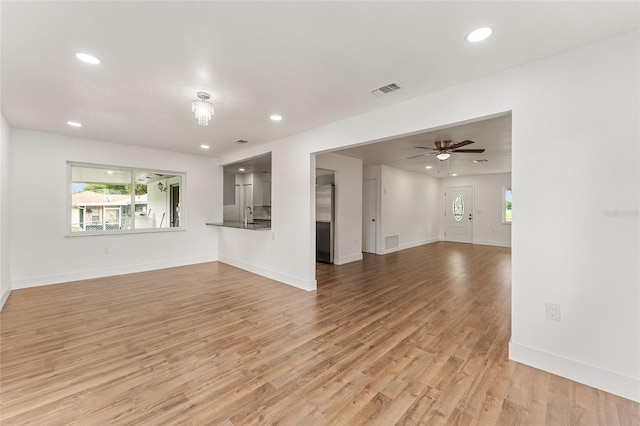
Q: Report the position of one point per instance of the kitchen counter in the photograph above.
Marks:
(257, 225)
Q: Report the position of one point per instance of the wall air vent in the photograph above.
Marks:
(391, 87)
(391, 242)
(241, 141)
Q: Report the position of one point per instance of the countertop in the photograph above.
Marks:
(257, 225)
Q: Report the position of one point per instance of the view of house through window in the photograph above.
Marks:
(507, 205)
(115, 199)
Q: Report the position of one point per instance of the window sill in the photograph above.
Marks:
(83, 234)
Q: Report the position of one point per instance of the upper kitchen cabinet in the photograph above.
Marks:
(262, 189)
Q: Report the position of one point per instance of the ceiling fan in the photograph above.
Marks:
(444, 149)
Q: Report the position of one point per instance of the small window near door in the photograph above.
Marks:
(506, 205)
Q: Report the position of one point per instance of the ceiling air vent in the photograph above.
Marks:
(391, 87)
(484, 160)
(241, 141)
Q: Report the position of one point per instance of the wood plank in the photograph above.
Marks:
(411, 337)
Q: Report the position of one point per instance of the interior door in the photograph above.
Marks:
(458, 214)
(369, 187)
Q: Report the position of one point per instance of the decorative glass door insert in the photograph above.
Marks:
(458, 207)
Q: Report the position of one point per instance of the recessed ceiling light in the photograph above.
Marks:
(203, 146)
(109, 172)
(276, 117)
(89, 59)
(241, 169)
(454, 174)
(74, 124)
(479, 34)
(427, 167)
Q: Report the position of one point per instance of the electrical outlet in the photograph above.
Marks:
(553, 311)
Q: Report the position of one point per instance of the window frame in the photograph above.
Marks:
(504, 205)
(133, 171)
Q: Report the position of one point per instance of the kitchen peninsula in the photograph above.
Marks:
(257, 225)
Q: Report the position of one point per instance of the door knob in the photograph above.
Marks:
(373, 220)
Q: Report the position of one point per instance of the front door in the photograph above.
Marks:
(458, 214)
(111, 218)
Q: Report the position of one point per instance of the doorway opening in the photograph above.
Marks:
(175, 205)
(325, 215)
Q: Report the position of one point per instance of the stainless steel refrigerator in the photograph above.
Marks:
(325, 201)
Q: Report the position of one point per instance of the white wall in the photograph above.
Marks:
(348, 208)
(488, 228)
(413, 207)
(566, 249)
(286, 252)
(5, 229)
(579, 101)
(41, 253)
(410, 208)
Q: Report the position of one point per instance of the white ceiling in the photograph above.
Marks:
(311, 62)
(491, 134)
(259, 164)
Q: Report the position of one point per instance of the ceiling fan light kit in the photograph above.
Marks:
(445, 148)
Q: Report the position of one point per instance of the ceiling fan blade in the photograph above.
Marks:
(423, 147)
(460, 144)
(416, 156)
(468, 150)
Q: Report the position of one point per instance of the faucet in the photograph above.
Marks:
(246, 216)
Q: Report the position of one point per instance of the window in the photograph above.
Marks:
(506, 205)
(114, 199)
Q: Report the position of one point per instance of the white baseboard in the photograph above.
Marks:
(349, 259)
(308, 285)
(101, 273)
(409, 245)
(492, 243)
(4, 296)
(608, 381)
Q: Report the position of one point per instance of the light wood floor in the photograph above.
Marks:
(414, 337)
